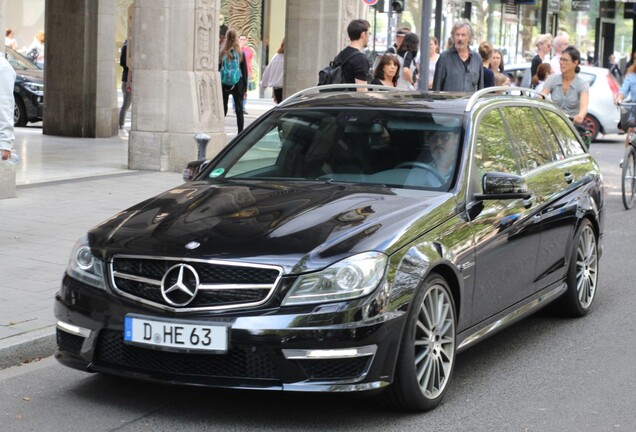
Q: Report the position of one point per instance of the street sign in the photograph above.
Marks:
(369, 2)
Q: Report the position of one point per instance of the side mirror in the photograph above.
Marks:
(192, 169)
(498, 185)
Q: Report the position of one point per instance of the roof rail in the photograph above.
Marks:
(519, 91)
(326, 88)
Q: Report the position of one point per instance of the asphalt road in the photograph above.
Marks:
(543, 374)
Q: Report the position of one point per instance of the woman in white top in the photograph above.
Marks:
(433, 56)
(274, 73)
(38, 45)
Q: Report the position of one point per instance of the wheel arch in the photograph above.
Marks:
(445, 270)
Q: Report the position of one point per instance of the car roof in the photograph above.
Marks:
(447, 102)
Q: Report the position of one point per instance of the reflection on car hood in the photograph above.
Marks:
(30, 75)
(283, 224)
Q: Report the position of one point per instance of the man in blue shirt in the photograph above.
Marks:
(459, 68)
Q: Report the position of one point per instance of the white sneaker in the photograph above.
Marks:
(123, 133)
(620, 164)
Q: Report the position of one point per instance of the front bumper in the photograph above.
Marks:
(329, 352)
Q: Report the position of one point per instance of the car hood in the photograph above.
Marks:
(297, 226)
(30, 75)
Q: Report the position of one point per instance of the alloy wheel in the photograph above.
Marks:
(586, 267)
(434, 342)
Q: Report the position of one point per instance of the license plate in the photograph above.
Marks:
(175, 335)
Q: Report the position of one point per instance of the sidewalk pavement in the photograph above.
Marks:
(65, 186)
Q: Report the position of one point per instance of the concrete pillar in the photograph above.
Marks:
(176, 84)
(81, 91)
(315, 33)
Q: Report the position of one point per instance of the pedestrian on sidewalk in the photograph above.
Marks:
(7, 104)
(233, 69)
(274, 73)
(459, 68)
(37, 47)
(126, 89)
(355, 64)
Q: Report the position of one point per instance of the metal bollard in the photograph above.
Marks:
(202, 140)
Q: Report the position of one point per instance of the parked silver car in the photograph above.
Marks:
(602, 115)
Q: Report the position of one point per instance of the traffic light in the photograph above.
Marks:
(397, 6)
(379, 6)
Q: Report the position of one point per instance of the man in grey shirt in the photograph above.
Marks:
(458, 68)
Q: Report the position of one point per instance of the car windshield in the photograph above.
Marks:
(18, 61)
(390, 148)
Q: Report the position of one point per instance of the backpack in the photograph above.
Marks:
(230, 70)
(333, 74)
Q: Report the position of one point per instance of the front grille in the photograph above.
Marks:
(335, 369)
(222, 285)
(69, 342)
(239, 362)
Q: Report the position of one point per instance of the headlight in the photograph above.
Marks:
(84, 266)
(35, 88)
(350, 278)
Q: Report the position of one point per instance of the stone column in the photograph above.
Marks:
(314, 34)
(79, 72)
(176, 85)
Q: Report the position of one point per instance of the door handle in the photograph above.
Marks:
(569, 178)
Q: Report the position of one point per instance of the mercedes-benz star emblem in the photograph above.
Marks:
(179, 285)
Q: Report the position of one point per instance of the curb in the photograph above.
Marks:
(25, 347)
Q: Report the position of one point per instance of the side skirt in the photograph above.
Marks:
(471, 336)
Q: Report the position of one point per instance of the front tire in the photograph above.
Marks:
(627, 178)
(19, 112)
(582, 276)
(427, 353)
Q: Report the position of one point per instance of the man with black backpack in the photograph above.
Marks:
(352, 61)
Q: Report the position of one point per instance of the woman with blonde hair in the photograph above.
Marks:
(37, 47)
(543, 42)
(233, 69)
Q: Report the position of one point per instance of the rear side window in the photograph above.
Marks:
(550, 138)
(528, 136)
(493, 149)
(566, 137)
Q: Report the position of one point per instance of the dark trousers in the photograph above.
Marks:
(237, 94)
(278, 94)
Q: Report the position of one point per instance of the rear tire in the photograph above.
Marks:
(582, 276)
(19, 114)
(427, 352)
(627, 179)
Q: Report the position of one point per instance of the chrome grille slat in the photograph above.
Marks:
(223, 284)
(137, 278)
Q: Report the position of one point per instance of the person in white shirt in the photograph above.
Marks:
(9, 39)
(274, 73)
(559, 43)
(38, 45)
(7, 104)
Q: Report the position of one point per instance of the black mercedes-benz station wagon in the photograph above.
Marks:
(345, 241)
